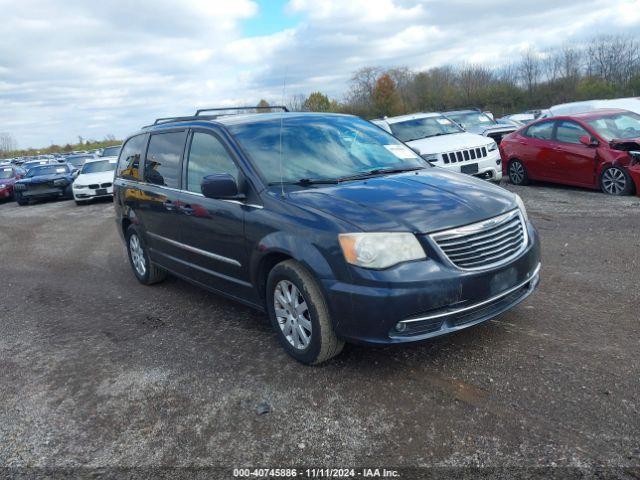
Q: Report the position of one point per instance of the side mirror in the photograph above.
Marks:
(75, 173)
(588, 141)
(221, 186)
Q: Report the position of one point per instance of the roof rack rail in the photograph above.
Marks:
(222, 109)
(198, 115)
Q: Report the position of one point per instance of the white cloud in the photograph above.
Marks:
(72, 67)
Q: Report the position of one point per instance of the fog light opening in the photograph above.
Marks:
(401, 327)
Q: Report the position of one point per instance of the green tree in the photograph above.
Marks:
(263, 106)
(317, 102)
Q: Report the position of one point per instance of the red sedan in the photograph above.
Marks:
(599, 149)
(8, 176)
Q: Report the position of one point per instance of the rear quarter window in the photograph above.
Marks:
(130, 158)
(541, 131)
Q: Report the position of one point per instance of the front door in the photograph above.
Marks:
(212, 230)
(536, 150)
(574, 162)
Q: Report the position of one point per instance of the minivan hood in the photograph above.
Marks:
(449, 143)
(425, 201)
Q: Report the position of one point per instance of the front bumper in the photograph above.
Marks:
(89, 193)
(489, 167)
(52, 192)
(429, 298)
(634, 173)
(6, 192)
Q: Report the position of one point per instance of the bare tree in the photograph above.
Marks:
(295, 103)
(472, 80)
(530, 69)
(613, 58)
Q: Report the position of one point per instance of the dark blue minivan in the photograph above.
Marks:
(336, 229)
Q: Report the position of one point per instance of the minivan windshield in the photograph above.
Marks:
(320, 147)
(101, 166)
(418, 128)
(620, 125)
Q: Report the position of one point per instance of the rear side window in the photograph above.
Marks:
(542, 131)
(206, 157)
(570, 132)
(162, 165)
(129, 163)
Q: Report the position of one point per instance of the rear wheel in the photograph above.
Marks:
(518, 173)
(146, 272)
(616, 181)
(299, 314)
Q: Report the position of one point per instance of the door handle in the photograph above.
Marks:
(186, 209)
(169, 205)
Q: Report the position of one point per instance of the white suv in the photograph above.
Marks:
(445, 144)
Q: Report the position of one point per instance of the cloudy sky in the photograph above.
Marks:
(92, 68)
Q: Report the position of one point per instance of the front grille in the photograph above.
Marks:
(464, 155)
(105, 185)
(93, 186)
(484, 244)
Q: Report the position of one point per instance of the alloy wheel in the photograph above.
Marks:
(516, 173)
(292, 314)
(614, 181)
(137, 255)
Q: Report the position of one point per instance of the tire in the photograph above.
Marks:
(616, 181)
(517, 173)
(146, 272)
(20, 200)
(322, 343)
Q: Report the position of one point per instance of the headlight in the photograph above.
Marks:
(380, 250)
(75, 185)
(60, 182)
(522, 207)
(492, 146)
(2, 185)
(430, 157)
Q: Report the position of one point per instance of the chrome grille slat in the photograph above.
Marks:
(505, 249)
(485, 244)
(472, 237)
(509, 242)
(507, 233)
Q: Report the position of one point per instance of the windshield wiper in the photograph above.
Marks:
(306, 181)
(378, 171)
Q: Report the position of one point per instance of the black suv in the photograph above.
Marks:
(331, 225)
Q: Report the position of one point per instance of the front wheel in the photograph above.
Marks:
(518, 173)
(146, 272)
(20, 200)
(616, 181)
(299, 314)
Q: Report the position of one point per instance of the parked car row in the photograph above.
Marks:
(82, 177)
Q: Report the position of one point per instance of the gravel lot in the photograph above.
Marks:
(98, 370)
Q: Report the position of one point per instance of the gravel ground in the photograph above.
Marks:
(100, 371)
